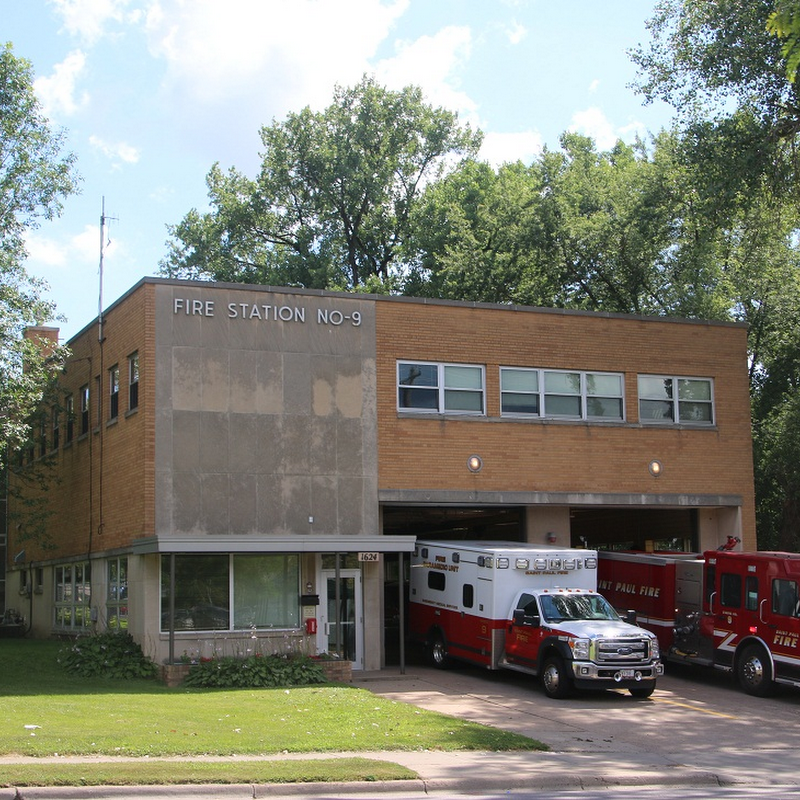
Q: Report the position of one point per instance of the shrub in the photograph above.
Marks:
(107, 655)
(230, 672)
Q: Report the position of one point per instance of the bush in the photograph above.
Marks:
(107, 655)
(254, 671)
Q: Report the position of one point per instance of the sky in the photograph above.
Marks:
(152, 93)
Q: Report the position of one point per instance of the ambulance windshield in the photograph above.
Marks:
(558, 608)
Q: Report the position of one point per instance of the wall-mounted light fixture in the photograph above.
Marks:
(655, 468)
(551, 537)
(474, 463)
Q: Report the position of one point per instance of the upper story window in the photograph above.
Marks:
(84, 394)
(561, 394)
(113, 392)
(444, 388)
(70, 419)
(133, 381)
(55, 420)
(668, 399)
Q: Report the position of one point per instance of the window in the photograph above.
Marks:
(133, 381)
(468, 595)
(686, 401)
(519, 391)
(84, 395)
(784, 598)
(70, 419)
(730, 590)
(73, 595)
(448, 388)
(436, 581)
(561, 394)
(113, 392)
(42, 436)
(55, 420)
(220, 592)
(751, 593)
(117, 598)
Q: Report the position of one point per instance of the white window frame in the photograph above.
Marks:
(72, 596)
(442, 389)
(676, 401)
(584, 395)
(117, 593)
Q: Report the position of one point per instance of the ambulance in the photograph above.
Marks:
(529, 608)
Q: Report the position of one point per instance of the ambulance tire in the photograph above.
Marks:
(754, 671)
(437, 650)
(555, 681)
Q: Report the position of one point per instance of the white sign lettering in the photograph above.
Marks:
(264, 312)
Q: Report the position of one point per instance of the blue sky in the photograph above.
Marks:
(152, 92)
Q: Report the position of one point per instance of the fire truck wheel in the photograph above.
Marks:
(754, 671)
(437, 651)
(555, 681)
(643, 693)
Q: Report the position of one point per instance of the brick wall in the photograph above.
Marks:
(557, 456)
(113, 463)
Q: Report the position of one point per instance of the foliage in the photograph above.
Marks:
(331, 205)
(711, 58)
(256, 671)
(784, 22)
(107, 655)
(34, 178)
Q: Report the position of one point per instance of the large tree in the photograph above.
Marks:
(331, 205)
(35, 176)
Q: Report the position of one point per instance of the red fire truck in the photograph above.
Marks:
(529, 608)
(734, 611)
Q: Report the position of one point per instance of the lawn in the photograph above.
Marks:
(45, 712)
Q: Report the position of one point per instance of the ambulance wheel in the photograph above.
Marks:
(555, 681)
(642, 693)
(437, 651)
(754, 671)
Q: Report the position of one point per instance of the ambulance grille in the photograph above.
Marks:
(623, 650)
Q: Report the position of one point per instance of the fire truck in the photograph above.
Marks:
(730, 610)
(528, 608)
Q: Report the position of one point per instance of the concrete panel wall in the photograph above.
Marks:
(267, 413)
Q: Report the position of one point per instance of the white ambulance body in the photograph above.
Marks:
(531, 608)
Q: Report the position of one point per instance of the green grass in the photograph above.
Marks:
(45, 712)
(325, 770)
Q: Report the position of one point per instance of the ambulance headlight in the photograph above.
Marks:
(580, 649)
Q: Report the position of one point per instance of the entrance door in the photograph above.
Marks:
(342, 633)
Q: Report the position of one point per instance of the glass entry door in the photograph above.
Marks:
(342, 633)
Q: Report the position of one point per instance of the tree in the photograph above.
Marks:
(35, 175)
(711, 58)
(332, 203)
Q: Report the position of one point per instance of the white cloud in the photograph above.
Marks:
(593, 86)
(45, 251)
(57, 93)
(593, 122)
(503, 148)
(87, 19)
(286, 53)
(431, 62)
(119, 151)
(516, 33)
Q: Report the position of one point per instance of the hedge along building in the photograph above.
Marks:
(240, 462)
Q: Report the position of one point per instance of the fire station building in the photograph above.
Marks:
(238, 462)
